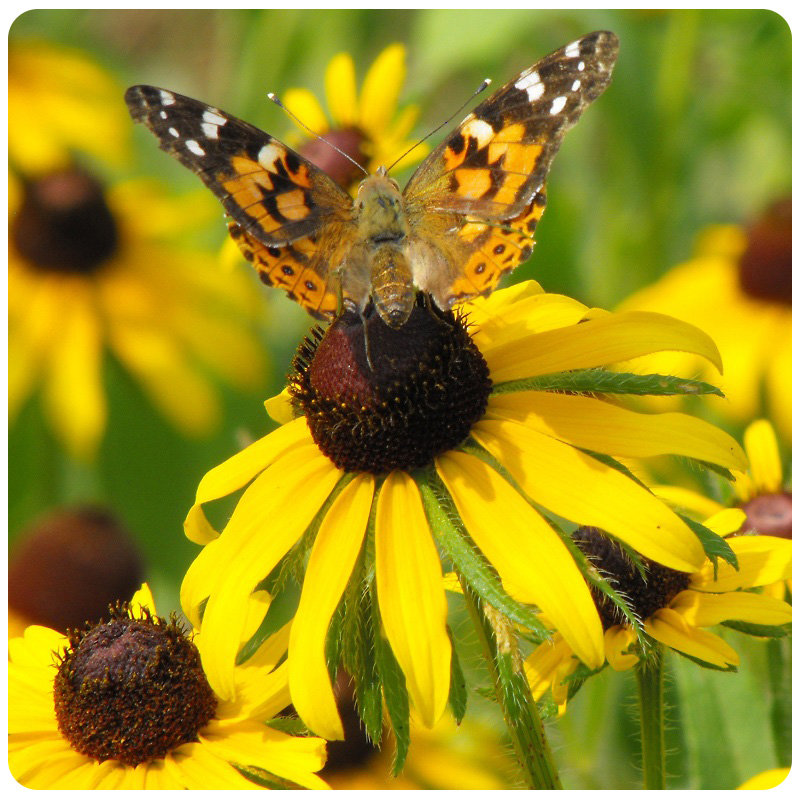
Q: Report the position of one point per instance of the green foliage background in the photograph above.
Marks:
(694, 130)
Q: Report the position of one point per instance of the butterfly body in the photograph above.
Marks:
(465, 218)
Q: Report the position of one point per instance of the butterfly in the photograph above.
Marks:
(465, 218)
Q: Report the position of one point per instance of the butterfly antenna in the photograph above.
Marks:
(483, 85)
(278, 103)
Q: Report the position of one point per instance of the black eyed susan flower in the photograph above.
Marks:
(366, 125)
(672, 608)
(448, 438)
(125, 705)
(738, 289)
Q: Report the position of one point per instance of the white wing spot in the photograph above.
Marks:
(531, 83)
(162, 114)
(581, 66)
(558, 105)
(174, 132)
(195, 148)
(212, 117)
(167, 98)
(210, 131)
(572, 50)
(269, 154)
(479, 130)
(576, 84)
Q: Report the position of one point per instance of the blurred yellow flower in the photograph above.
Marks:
(90, 269)
(768, 779)
(364, 126)
(737, 288)
(150, 721)
(59, 102)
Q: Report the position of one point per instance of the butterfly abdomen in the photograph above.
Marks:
(392, 285)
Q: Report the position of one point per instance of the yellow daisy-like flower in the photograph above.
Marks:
(674, 608)
(480, 420)
(88, 271)
(125, 705)
(60, 102)
(364, 126)
(737, 288)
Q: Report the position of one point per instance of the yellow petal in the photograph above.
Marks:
(688, 500)
(268, 520)
(726, 522)
(304, 105)
(542, 665)
(329, 568)
(340, 91)
(703, 609)
(580, 488)
(762, 560)
(143, 600)
(381, 90)
(765, 460)
(671, 629)
(532, 561)
(617, 640)
(768, 779)
(606, 428)
(597, 343)
(411, 596)
(280, 407)
(239, 470)
(74, 393)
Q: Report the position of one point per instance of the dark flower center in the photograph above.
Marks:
(69, 566)
(769, 515)
(765, 268)
(64, 224)
(350, 141)
(132, 689)
(415, 395)
(645, 594)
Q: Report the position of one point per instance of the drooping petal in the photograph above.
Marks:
(762, 560)
(532, 561)
(340, 90)
(267, 521)
(596, 343)
(411, 595)
(670, 628)
(704, 610)
(543, 663)
(329, 569)
(617, 640)
(606, 428)
(238, 470)
(580, 488)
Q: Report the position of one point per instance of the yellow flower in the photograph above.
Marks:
(89, 272)
(768, 779)
(366, 126)
(60, 102)
(395, 419)
(152, 722)
(737, 288)
(674, 608)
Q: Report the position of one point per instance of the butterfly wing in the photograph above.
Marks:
(485, 181)
(282, 207)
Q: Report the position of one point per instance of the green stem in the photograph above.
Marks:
(520, 713)
(780, 684)
(650, 680)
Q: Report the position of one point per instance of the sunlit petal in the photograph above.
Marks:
(670, 628)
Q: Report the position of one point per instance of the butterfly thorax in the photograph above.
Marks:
(383, 232)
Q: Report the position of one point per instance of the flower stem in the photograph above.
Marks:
(520, 713)
(650, 680)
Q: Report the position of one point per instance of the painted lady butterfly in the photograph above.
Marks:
(464, 219)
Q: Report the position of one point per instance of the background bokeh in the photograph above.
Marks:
(695, 130)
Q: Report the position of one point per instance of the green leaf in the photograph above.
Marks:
(603, 381)
(294, 726)
(458, 683)
(714, 546)
(465, 555)
(765, 631)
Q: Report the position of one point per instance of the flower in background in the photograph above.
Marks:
(381, 460)
(768, 779)
(60, 102)
(364, 126)
(125, 705)
(69, 566)
(91, 269)
(737, 288)
(672, 607)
